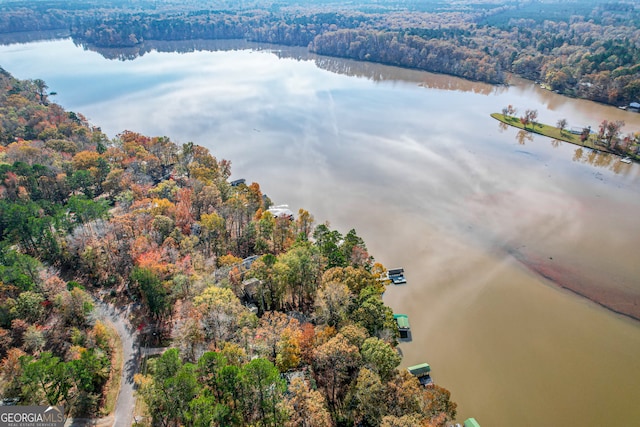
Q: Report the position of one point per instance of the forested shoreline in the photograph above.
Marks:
(297, 331)
(268, 320)
(589, 50)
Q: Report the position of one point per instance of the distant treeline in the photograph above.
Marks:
(436, 55)
(591, 51)
(319, 32)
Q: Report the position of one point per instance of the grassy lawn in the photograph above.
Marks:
(551, 132)
(113, 386)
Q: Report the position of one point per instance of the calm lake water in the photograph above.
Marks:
(477, 215)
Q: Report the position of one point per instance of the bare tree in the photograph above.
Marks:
(509, 111)
(562, 125)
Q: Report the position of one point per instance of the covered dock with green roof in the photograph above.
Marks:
(422, 372)
(471, 422)
(402, 320)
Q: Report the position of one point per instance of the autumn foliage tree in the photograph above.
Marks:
(271, 320)
(609, 132)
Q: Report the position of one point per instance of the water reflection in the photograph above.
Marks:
(445, 195)
(524, 136)
(594, 158)
(577, 155)
(381, 73)
(588, 111)
(32, 36)
(177, 46)
(369, 70)
(601, 160)
(564, 106)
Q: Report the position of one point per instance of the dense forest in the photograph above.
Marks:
(272, 320)
(588, 49)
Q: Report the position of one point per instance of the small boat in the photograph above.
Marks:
(626, 160)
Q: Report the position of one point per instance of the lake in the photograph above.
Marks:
(492, 225)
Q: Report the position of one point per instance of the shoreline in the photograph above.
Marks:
(560, 135)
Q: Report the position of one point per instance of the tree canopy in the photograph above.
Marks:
(268, 320)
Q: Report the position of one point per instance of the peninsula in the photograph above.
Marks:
(607, 140)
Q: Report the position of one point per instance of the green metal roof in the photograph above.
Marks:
(471, 422)
(402, 320)
(419, 370)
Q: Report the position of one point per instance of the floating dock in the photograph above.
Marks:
(396, 275)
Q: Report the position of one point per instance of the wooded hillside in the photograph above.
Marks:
(272, 320)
